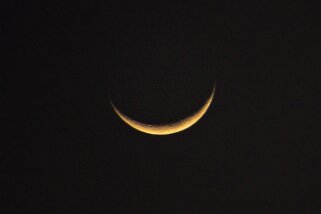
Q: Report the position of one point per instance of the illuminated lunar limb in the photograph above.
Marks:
(169, 128)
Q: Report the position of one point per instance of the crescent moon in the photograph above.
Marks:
(169, 128)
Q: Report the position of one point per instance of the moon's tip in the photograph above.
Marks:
(111, 103)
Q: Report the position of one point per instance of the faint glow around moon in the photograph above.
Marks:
(169, 128)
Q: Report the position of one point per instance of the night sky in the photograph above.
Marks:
(66, 151)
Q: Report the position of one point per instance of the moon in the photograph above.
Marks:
(169, 128)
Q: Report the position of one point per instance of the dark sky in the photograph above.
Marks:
(66, 151)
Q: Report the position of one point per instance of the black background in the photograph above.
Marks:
(66, 151)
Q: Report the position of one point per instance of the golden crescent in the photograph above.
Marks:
(170, 128)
